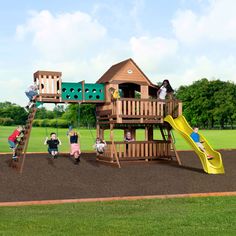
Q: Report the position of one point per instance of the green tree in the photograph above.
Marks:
(14, 112)
(225, 105)
(80, 115)
(207, 103)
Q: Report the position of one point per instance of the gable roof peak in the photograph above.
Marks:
(116, 68)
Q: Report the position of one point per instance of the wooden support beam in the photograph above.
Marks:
(114, 151)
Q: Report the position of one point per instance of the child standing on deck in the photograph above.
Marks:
(164, 90)
(53, 143)
(12, 140)
(128, 136)
(74, 146)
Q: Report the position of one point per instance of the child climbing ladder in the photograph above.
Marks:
(13, 141)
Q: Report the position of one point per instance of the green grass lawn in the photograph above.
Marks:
(184, 216)
(219, 139)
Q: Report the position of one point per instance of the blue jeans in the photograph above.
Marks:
(12, 144)
(31, 94)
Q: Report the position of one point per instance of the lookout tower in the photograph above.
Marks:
(137, 107)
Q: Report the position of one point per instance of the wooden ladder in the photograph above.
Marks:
(166, 135)
(24, 141)
(173, 147)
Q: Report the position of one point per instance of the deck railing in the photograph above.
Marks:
(137, 150)
(131, 108)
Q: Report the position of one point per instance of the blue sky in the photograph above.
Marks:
(179, 40)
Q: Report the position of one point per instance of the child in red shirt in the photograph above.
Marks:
(12, 140)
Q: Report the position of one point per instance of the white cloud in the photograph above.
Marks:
(60, 36)
(67, 42)
(217, 23)
(201, 67)
(137, 8)
(83, 49)
(153, 53)
(12, 89)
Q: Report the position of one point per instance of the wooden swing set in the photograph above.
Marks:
(135, 107)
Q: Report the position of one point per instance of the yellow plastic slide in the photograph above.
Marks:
(214, 166)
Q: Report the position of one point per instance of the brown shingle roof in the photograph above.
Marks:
(109, 74)
(113, 70)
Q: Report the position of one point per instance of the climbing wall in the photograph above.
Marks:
(82, 92)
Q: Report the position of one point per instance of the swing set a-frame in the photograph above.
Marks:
(136, 107)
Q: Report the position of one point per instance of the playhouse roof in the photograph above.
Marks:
(126, 71)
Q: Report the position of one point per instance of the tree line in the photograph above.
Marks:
(207, 104)
(77, 115)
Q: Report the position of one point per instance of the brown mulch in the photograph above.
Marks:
(44, 179)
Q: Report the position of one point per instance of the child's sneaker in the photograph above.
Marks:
(31, 105)
(209, 157)
(26, 108)
(77, 160)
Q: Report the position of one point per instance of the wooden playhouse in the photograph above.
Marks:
(137, 107)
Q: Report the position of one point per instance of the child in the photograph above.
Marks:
(196, 138)
(100, 145)
(74, 145)
(114, 94)
(165, 89)
(31, 93)
(128, 137)
(12, 140)
(53, 143)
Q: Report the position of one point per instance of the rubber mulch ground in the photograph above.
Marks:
(43, 179)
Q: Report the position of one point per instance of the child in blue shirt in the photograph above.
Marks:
(196, 138)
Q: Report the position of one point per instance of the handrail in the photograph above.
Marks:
(137, 150)
(142, 108)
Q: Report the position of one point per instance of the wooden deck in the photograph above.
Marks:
(131, 110)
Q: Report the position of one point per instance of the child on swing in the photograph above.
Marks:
(74, 145)
(53, 143)
(100, 145)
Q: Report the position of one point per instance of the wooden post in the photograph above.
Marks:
(180, 108)
(146, 145)
(83, 91)
(173, 147)
(98, 130)
(114, 151)
(101, 133)
(144, 91)
(118, 111)
(150, 133)
(162, 133)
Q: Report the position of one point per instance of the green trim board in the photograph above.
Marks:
(82, 92)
